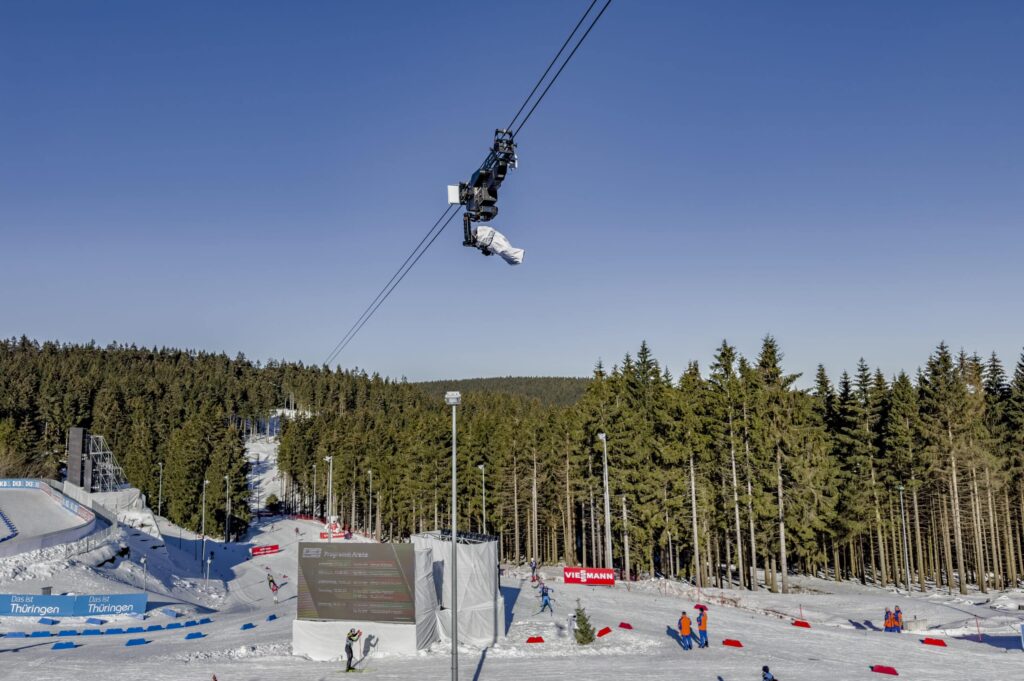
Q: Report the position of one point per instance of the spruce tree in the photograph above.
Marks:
(584, 629)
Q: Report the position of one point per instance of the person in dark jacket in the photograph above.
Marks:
(767, 675)
(351, 640)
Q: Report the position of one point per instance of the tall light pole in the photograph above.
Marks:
(227, 509)
(625, 538)
(145, 576)
(454, 398)
(483, 496)
(607, 507)
(330, 497)
(206, 483)
(160, 496)
(903, 527)
(369, 512)
(314, 491)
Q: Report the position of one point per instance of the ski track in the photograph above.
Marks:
(839, 646)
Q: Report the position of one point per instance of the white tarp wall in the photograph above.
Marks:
(426, 600)
(481, 607)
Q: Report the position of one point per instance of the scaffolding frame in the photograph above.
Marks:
(107, 474)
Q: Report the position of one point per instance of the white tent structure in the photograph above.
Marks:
(481, 607)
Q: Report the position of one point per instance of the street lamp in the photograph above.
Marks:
(330, 496)
(369, 514)
(454, 399)
(145, 576)
(227, 509)
(314, 491)
(903, 527)
(203, 554)
(160, 496)
(483, 495)
(607, 507)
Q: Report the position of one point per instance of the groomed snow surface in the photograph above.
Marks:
(843, 642)
(33, 512)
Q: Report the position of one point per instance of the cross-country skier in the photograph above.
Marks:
(533, 569)
(685, 631)
(545, 598)
(273, 585)
(767, 675)
(350, 640)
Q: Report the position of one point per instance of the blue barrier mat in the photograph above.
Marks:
(114, 630)
(16, 634)
(67, 632)
(91, 632)
(247, 626)
(136, 642)
(191, 623)
(173, 625)
(205, 620)
(134, 630)
(63, 645)
(271, 618)
(155, 627)
(194, 635)
(95, 620)
(39, 634)
(48, 621)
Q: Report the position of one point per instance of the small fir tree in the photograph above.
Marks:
(584, 629)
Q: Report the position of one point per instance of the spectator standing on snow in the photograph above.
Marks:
(888, 620)
(897, 620)
(702, 628)
(767, 675)
(350, 640)
(686, 631)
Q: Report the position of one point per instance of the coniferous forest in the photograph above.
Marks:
(726, 475)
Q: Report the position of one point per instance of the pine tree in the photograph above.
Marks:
(584, 629)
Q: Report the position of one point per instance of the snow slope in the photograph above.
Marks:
(841, 644)
(34, 513)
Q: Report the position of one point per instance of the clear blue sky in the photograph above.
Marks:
(244, 176)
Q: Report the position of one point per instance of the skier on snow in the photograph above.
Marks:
(352, 638)
(545, 598)
(533, 569)
(273, 585)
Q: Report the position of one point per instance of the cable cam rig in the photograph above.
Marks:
(480, 194)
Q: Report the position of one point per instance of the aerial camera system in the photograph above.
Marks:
(480, 197)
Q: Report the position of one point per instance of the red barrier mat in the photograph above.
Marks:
(934, 642)
(801, 623)
(604, 632)
(882, 669)
(732, 642)
(535, 639)
(625, 625)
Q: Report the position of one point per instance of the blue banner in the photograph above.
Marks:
(31, 605)
(19, 483)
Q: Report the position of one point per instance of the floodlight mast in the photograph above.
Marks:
(480, 194)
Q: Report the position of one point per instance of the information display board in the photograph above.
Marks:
(360, 582)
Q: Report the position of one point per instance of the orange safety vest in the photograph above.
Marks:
(899, 618)
(704, 621)
(684, 626)
(888, 619)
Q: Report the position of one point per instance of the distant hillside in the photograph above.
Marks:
(550, 390)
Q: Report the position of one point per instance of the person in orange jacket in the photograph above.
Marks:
(888, 620)
(702, 629)
(685, 631)
(897, 620)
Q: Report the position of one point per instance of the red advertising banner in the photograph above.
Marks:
(264, 550)
(337, 535)
(591, 576)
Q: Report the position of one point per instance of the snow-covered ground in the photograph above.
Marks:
(34, 512)
(842, 643)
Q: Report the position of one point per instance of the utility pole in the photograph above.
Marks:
(696, 539)
(202, 556)
(160, 496)
(315, 516)
(369, 513)
(330, 497)
(483, 496)
(625, 532)
(227, 509)
(607, 506)
(454, 398)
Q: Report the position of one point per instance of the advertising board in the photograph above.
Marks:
(589, 575)
(34, 605)
(264, 550)
(361, 582)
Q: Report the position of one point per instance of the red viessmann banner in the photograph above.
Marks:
(264, 550)
(591, 576)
